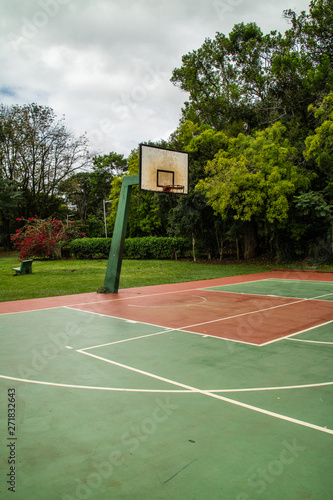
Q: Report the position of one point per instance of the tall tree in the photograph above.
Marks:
(254, 180)
(10, 197)
(227, 76)
(260, 79)
(37, 152)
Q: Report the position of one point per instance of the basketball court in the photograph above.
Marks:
(203, 390)
(218, 389)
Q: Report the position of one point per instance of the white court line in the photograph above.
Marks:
(185, 391)
(188, 304)
(253, 389)
(142, 296)
(210, 394)
(186, 329)
(311, 341)
(320, 296)
(299, 281)
(73, 306)
(159, 333)
(71, 386)
(127, 340)
(259, 295)
(165, 293)
(32, 310)
(117, 317)
(287, 337)
(256, 311)
(251, 312)
(204, 335)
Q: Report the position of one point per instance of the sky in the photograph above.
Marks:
(106, 64)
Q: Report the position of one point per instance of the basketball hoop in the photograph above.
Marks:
(173, 188)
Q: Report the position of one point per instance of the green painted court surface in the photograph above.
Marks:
(283, 288)
(109, 408)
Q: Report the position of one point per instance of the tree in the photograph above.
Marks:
(317, 223)
(313, 31)
(254, 180)
(9, 199)
(319, 146)
(76, 191)
(37, 152)
(191, 215)
(227, 76)
(259, 79)
(105, 169)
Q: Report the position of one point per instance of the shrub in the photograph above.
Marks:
(91, 248)
(43, 238)
(135, 248)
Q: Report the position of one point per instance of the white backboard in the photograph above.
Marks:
(163, 170)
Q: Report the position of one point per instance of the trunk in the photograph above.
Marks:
(193, 247)
(250, 241)
(237, 248)
(219, 240)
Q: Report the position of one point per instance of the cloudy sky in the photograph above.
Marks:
(106, 64)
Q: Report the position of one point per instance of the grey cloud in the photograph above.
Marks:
(107, 64)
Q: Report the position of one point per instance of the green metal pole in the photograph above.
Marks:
(112, 275)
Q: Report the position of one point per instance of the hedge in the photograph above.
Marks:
(151, 247)
(91, 248)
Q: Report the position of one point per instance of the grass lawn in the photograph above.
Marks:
(67, 277)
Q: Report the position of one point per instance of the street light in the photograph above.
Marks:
(104, 203)
(69, 215)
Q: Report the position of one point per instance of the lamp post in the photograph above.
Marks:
(104, 203)
(68, 216)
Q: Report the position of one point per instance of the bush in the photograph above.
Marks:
(91, 248)
(135, 248)
(43, 238)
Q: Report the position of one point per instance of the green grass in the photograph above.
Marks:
(67, 277)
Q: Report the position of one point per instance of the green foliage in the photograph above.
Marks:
(105, 168)
(227, 75)
(258, 79)
(77, 192)
(254, 177)
(314, 205)
(85, 191)
(155, 248)
(135, 248)
(10, 196)
(91, 248)
(94, 227)
(319, 146)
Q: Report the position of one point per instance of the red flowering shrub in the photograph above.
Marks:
(43, 238)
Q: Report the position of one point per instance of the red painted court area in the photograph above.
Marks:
(245, 318)
(242, 317)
